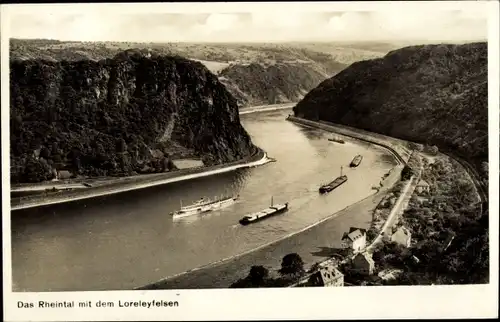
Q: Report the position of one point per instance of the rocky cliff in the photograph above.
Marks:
(132, 113)
(432, 94)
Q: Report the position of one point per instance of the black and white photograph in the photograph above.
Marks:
(242, 146)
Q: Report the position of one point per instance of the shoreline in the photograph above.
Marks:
(266, 108)
(123, 184)
(397, 147)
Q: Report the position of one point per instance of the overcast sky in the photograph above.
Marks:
(247, 24)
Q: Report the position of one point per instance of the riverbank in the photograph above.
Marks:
(102, 187)
(47, 193)
(313, 243)
(265, 108)
(400, 149)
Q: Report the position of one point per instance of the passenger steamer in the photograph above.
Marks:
(204, 205)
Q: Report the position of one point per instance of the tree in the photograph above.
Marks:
(258, 274)
(371, 235)
(406, 173)
(37, 171)
(433, 149)
(121, 145)
(485, 168)
(292, 264)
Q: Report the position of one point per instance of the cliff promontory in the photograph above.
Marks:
(133, 113)
(432, 94)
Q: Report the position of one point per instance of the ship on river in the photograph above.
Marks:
(336, 139)
(356, 161)
(204, 205)
(268, 212)
(334, 184)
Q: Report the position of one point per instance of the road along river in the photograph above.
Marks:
(128, 240)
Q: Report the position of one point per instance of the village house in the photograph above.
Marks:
(422, 187)
(355, 239)
(402, 236)
(422, 201)
(187, 163)
(327, 276)
(363, 264)
(389, 274)
(63, 174)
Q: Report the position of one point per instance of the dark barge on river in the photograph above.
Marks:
(334, 184)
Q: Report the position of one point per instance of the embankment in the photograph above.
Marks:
(399, 148)
(136, 182)
(266, 108)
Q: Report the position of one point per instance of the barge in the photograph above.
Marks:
(266, 213)
(204, 205)
(356, 161)
(336, 139)
(334, 184)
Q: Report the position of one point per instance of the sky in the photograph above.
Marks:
(248, 23)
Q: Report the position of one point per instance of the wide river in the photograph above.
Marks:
(128, 240)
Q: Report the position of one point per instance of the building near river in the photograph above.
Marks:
(354, 239)
(402, 236)
(363, 264)
(422, 187)
(63, 174)
(327, 276)
(389, 274)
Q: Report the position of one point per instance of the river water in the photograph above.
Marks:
(128, 240)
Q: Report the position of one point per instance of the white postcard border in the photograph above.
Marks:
(270, 304)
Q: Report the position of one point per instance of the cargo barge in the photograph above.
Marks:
(334, 184)
(356, 161)
(204, 205)
(266, 213)
(335, 139)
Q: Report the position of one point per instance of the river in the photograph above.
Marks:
(127, 240)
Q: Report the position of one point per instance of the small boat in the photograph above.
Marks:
(334, 184)
(268, 212)
(356, 161)
(204, 205)
(336, 139)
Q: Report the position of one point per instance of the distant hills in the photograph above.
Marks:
(432, 94)
(256, 74)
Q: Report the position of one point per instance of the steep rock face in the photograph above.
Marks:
(132, 113)
(259, 84)
(433, 94)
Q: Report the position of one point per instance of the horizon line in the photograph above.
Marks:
(385, 41)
